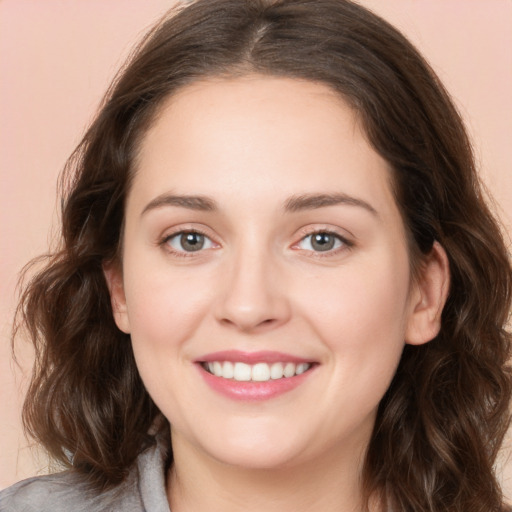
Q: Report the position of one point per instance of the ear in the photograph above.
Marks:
(114, 277)
(428, 297)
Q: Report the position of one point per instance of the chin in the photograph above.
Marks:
(254, 450)
(257, 458)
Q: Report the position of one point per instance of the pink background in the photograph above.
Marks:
(57, 58)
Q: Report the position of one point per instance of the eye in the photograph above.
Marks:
(188, 241)
(322, 241)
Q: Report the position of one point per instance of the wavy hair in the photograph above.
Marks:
(442, 421)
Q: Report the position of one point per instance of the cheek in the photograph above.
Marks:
(360, 314)
(361, 297)
(165, 312)
(164, 307)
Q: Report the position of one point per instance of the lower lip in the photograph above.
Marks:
(250, 390)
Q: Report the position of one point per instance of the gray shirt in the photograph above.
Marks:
(142, 491)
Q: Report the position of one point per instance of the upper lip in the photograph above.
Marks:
(263, 356)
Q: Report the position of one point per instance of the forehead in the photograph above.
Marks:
(254, 136)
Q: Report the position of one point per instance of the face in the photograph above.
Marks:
(265, 273)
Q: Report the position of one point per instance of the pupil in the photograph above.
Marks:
(192, 241)
(322, 242)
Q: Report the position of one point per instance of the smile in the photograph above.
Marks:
(254, 376)
(259, 372)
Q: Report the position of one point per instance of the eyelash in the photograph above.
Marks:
(182, 254)
(346, 244)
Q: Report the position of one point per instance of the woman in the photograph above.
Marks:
(279, 286)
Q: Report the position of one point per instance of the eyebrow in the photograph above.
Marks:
(200, 203)
(293, 204)
(314, 201)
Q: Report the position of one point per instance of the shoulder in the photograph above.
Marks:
(65, 491)
(143, 489)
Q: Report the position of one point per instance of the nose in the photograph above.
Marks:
(254, 296)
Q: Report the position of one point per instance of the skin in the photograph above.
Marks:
(250, 144)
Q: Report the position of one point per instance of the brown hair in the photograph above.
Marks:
(442, 421)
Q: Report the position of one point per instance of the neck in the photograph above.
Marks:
(196, 483)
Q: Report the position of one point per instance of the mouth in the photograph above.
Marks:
(259, 372)
(254, 375)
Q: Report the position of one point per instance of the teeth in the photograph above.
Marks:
(242, 372)
(217, 369)
(228, 370)
(259, 372)
(301, 368)
(276, 371)
(289, 370)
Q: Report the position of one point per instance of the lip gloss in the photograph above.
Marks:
(262, 356)
(252, 390)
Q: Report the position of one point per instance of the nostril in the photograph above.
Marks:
(248, 324)
(249, 305)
